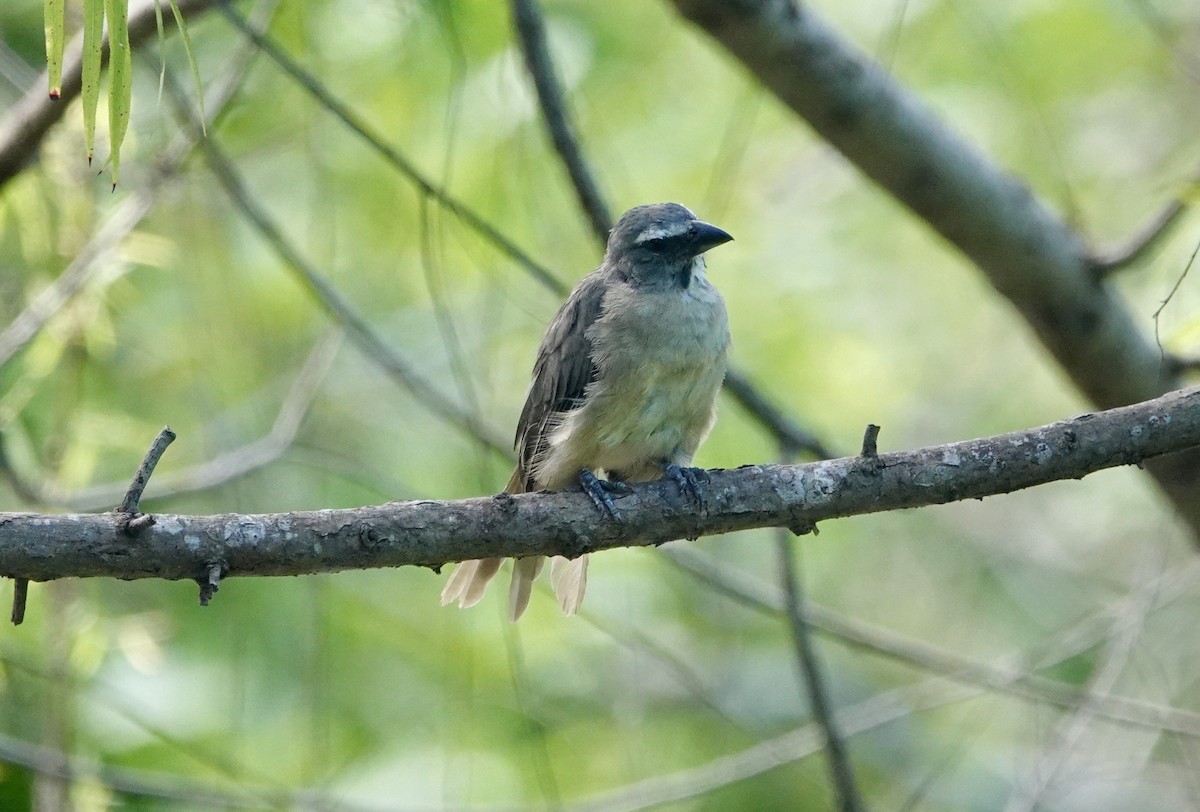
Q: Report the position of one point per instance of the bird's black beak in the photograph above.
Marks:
(704, 236)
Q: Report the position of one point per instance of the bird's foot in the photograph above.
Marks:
(688, 479)
(600, 489)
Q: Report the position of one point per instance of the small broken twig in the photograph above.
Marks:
(870, 444)
(210, 585)
(133, 497)
(20, 594)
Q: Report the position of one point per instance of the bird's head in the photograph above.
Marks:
(660, 243)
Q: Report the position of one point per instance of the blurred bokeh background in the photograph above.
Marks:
(981, 656)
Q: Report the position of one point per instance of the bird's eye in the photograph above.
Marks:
(655, 243)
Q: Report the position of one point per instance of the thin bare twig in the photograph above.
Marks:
(870, 443)
(1167, 300)
(1011, 677)
(841, 770)
(1108, 261)
(531, 33)
(360, 331)
(210, 583)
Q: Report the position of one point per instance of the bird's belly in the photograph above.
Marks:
(661, 413)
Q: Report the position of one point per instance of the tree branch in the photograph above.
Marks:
(1026, 251)
(531, 31)
(431, 533)
(841, 769)
(132, 502)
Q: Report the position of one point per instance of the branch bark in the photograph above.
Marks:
(1026, 251)
(431, 533)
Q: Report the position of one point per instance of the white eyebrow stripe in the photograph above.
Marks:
(659, 231)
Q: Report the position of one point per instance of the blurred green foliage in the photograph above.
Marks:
(358, 690)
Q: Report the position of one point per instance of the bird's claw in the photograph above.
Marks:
(688, 481)
(599, 490)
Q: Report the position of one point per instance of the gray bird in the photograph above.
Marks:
(625, 382)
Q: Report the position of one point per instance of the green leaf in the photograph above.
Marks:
(187, 47)
(162, 47)
(93, 32)
(56, 24)
(120, 78)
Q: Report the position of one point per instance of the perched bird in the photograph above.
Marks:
(625, 382)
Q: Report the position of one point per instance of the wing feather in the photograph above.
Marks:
(562, 372)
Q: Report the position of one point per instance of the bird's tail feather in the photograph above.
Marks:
(469, 581)
(525, 572)
(570, 582)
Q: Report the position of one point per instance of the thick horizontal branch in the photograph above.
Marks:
(431, 533)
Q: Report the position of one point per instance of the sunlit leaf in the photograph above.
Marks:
(93, 32)
(55, 34)
(162, 50)
(120, 76)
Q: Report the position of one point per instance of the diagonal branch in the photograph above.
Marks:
(393, 156)
(841, 768)
(431, 533)
(360, 332)
(531, 30)
(1026, 251)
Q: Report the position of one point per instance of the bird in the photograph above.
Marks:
(625, 383)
